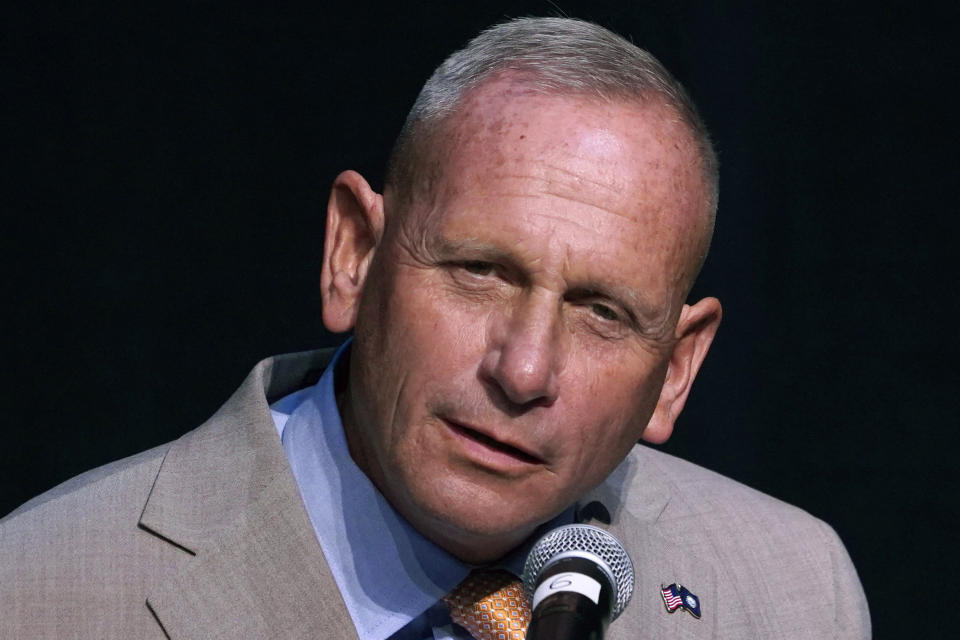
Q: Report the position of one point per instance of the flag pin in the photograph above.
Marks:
(676, 596)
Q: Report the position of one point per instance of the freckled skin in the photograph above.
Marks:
(533, 297)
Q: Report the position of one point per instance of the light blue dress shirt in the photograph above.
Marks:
(391, 577)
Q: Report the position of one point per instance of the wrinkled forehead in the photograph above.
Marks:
(636, 159)
(626, 148)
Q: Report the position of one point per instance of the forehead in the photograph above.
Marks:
(641, 150)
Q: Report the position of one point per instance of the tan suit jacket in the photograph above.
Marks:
(207, 537)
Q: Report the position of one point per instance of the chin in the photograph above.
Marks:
(474, 522)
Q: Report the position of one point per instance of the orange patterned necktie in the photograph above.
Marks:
(491, 605)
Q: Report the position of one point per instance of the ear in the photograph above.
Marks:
(695, 331)
(354, 229)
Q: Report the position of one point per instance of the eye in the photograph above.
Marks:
(478, 267)
(604, 312)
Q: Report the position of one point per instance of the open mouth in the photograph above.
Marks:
(490, 443)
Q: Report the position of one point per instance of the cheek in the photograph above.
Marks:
(610, 408)
(426, 357)
(434, 329)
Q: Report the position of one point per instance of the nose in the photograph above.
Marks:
(524, 355)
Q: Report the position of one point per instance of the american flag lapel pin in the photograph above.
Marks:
(676, 596)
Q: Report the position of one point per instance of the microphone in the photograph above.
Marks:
(578, 579)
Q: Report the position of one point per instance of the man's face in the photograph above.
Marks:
(516, 325)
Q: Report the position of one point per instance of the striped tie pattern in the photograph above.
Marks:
(491, 605)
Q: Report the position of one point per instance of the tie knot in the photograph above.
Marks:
(491, 605)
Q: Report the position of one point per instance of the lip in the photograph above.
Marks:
(489, 450)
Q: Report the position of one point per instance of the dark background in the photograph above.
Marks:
(167, 172)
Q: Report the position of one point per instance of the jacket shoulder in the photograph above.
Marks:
(787, 569)
(76, 556)
(95, 482)
(701, 491)
(82, 557)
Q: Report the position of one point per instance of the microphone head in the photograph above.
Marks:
(585, 541)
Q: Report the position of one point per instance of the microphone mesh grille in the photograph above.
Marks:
(583, 538)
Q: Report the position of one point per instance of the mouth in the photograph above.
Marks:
(491, 445)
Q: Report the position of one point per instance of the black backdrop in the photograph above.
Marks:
(167, 172)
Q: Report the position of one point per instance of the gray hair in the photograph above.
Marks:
(553, 56)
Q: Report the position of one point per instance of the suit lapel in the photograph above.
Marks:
(225, 494)
(636, 504)
(262, 577)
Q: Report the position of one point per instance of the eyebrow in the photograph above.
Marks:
(445, 247)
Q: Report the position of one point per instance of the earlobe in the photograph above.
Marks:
(355, 221)
(696, 329)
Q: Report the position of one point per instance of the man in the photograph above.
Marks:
(517, 300)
